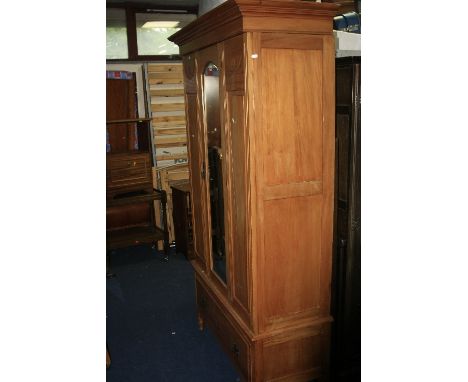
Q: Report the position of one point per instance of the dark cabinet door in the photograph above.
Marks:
(121, 103)
(347, 243)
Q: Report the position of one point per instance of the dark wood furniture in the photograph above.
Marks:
(346, 307)
(136, 228)
(130, 217)
(182, 218)
(129, 159)
(259, 90)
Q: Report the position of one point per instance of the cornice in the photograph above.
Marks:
(233, 13)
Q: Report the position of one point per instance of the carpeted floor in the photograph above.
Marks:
(152, 330)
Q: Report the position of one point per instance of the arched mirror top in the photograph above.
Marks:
(211, 70)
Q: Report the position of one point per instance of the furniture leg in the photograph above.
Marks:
(166, 231)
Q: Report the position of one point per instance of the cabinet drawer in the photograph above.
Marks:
(128, 170)
(233, 343)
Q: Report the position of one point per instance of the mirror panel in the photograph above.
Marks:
(215, 168)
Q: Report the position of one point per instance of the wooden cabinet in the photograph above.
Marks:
(259, 91)
(130, 217)
(182, 218)
(346, 349)
(128, 159)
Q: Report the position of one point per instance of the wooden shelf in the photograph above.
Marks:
(115, 121)
(136, 197)
(127, 237)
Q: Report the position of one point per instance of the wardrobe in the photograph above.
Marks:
(346, 298)
(259, 90)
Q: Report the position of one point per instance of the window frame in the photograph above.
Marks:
(130, 16)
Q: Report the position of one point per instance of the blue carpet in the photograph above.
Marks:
(152, 330)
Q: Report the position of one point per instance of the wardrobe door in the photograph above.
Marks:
(237, 159)
(196, 142)
(214, 171)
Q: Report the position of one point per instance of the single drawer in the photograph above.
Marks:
(129, 169)
(233, 343)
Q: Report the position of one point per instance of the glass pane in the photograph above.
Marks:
(215, 172)
(153, 29)
(116, 34)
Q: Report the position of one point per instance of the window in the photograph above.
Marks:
(153, 29)
(137, 33)
(116, 34)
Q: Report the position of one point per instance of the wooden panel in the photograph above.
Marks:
(180, 119)
(284, 41)
(292, 283)
(234, 58)
(174, 68)
(160, 81)
(238, 145)
(196, 142)
(171, 142)
(284, 24)
(171, 131)
(171, 156)
(292, 113)
(292, 190)
(158, 75)
(166, 92)
(288, 360)
(121, 99)
(171, 124)
(167, 107)
(189, 74)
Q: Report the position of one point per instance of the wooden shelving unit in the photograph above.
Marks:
(130, 193)
(144, 233)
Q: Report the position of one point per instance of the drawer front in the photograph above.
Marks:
(128, 170)
(233, 343)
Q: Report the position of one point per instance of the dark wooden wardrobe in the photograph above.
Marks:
(346, 297)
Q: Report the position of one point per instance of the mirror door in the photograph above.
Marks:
(214, 166)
